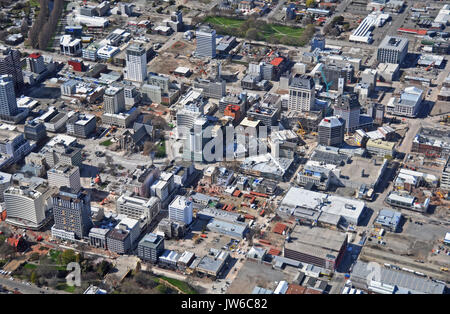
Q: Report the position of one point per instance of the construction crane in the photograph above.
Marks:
(327, 84)
(430, 66)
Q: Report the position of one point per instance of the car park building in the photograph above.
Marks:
(317, 246)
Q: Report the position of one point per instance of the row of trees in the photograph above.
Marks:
(45, 24)
(336, 25)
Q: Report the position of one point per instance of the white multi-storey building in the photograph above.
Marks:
(136, 63)
(65, 175)
(8, 103)
(114, 100)
(180, 209)
(206, 42)
(301, 94)
(25, 207)
(137, 207)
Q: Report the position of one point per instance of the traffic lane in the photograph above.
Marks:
(21, 287)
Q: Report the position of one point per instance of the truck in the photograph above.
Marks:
(381, 233)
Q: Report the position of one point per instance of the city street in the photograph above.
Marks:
(24, 288)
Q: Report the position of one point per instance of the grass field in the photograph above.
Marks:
(35, 3)
(161, 150)
(281, 31)
(183, 286)
(30, 266)
(278, 31)
(106, 143)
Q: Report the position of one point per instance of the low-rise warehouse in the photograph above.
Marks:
(388, 219)
(233, 229)
(349, 210)
(394, 282)
(212, 265)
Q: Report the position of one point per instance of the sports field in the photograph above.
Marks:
(270, 30)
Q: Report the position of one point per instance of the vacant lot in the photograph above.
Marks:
(254, 274)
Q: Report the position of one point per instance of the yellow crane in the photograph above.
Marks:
(300, 132)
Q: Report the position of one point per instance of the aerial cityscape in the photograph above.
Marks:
(228, 147)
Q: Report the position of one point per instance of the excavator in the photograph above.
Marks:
(300, 132)
(430, 66)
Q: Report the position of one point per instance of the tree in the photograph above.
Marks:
(308, 19)
(24, 27)
(34, 256)
(161, 289)
(310, 3)
(67, 257)
(137, 269)
(103, 268)
(337, 20)
(252, 34)
(145, 280)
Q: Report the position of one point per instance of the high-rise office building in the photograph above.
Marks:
(10, 65)
(72, 214)
(331, 131)
(136, 63)
(301, 93)
(65, 175)
(180, 209)
(35, 131)
(8, 103)
(338, 76)
(445, 177)
(392, 50)
(196, 140)
(150, 247)
(35, 63)
(114, 100)
(318, 41)
(349, 109)
(206, 42)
